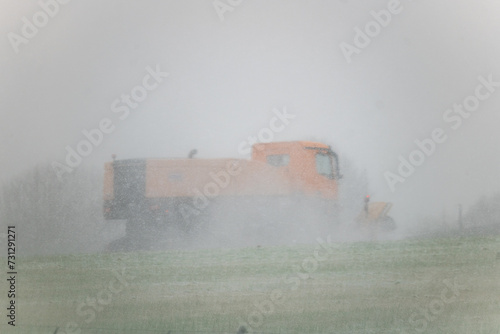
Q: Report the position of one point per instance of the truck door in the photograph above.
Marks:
(327, 169)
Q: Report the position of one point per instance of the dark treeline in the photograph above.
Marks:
(481, 218)
(53, 215)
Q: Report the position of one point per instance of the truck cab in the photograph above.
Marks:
(311, 168)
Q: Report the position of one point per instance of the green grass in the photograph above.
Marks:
(358, 288)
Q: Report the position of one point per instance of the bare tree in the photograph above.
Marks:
(52, 215)
(485, 213)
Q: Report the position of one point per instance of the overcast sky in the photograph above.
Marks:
(226, 77)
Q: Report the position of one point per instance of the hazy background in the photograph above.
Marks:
(226, 78)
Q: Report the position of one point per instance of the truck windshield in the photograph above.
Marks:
(324, 165)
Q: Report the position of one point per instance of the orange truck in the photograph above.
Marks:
(298, 179)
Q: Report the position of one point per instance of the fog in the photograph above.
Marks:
(226, 78)
(405, 92)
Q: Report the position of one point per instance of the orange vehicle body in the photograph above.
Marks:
(159, 187)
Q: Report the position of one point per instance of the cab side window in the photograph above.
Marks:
(278, 160)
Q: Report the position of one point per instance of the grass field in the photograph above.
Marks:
(409, 286)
